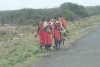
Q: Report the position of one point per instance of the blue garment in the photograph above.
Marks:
(57, 42)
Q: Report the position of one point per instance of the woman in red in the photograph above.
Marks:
(41, 33)
(48, 34)
(63, 22)
(56, 33)
(57, 23)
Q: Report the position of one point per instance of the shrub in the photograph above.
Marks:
(36, 51)
(70, 15)
(29, 50)
(35, 22)
(3, 33)
(27, 55)
(6, 46)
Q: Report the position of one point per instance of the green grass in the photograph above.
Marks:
(26, 49)
(14, 52)
(80, 26)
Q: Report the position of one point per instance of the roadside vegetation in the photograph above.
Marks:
(18, 46)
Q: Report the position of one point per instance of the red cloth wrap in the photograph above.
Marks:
(57, 34)
(59, 26)
(54, 19)
(41, 36)
(40, 26)
(48, 39)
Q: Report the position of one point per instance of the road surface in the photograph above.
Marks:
(84, 53)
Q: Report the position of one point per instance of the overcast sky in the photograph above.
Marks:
(36, 4)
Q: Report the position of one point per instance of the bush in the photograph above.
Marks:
(3, 33)
(6, 46)
(27, 55)
(29, 50)
(70, 15)
(36, 51)
(35, 22)
(14, 33)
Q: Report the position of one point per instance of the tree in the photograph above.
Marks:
(77, 9)
(70, 15)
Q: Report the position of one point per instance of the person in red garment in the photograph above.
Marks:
(63, 22)
(58, 22)
(41, 33)
(48, 34)
(56, 33)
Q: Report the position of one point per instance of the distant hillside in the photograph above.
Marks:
(32, 16)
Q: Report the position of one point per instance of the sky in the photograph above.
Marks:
(37, 4)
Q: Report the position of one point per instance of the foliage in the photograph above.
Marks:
(3, 33)
(93, 10)
(26, 49)
(32, 16)
(70, 15)
(77, 9)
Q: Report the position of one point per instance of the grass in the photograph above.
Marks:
(79, 25)
(26, 49)
(15, 51)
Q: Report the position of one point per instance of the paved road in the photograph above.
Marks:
(84, 53)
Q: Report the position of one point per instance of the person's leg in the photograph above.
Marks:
(55, 45)
(41, 47)
(58, 44)
(49, 48)
(45, 47)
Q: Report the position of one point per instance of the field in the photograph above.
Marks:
(19, 46)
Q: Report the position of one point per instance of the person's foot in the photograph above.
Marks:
(60, 41)
(54, 47)
(57, 48)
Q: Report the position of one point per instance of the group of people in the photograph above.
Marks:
(51, 29)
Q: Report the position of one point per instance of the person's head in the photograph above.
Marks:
(55, 15)
(42, 18)
(48, 18)
(60, 15)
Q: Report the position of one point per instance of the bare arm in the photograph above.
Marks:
(37, 32)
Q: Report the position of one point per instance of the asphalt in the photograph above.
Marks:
(85, 52)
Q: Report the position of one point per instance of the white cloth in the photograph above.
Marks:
(57, 21)
(45, 24)
(51, 23)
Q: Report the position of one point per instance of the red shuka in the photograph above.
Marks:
(57, 34)
(48, 37)
(64, 24)
(41, 36)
